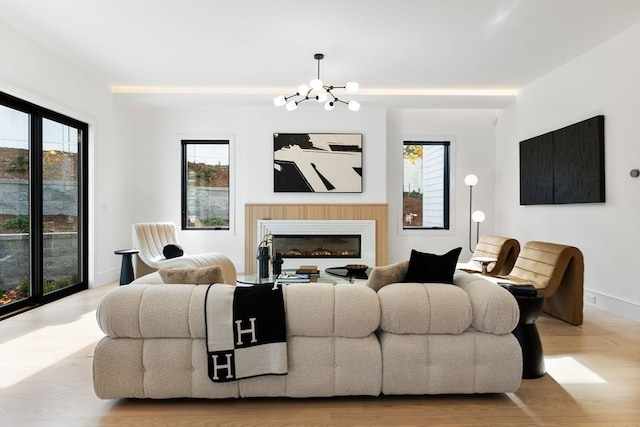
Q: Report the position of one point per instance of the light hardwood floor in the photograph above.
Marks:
(593, 379)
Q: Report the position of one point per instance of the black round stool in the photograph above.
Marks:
(126, 267)
(527, 334)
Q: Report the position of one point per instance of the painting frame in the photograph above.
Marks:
(317, 162)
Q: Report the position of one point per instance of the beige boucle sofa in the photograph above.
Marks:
(440, 338)
(344, 339)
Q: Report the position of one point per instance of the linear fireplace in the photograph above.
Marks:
(317, 245)
(325, 243)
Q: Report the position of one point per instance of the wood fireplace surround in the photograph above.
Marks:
(255, 212)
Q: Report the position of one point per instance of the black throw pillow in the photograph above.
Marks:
(172, 251)
(430, 268)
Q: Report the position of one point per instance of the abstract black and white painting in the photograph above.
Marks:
(317, 162)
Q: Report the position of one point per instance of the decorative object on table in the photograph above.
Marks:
(276, 264)
(317, 163)
(477, 216)
(320, 92)
(293, 278)
(356, 268)
(311, 270)
(350, 274)
(263, 256)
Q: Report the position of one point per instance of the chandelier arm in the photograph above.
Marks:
(310, 94)
(329, 89)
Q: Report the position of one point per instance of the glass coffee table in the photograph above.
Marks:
(255, 279)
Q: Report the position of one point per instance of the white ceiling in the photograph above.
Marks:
(254, 49)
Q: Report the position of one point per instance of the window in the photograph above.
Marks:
(205, 184)
(425, 195)
(43, 214)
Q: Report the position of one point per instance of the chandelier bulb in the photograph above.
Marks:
(351, 87)
(279, 101)
(316, 84)
(329, 105)
(292, 105)
(353, 105)
(303, 90)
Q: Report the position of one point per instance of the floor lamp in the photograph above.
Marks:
(477, 217)
(470, 181)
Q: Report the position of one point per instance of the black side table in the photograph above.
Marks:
(126, 268)
(527, 334)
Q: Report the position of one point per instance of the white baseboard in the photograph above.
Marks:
(106, 277)
(613, 305)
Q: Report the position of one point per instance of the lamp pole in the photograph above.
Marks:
(470, 181)
(470, 221)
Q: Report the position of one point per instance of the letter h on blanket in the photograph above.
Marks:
(258, 349)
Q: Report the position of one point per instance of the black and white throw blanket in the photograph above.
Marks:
(246, 332)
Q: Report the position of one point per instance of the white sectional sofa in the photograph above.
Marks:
(345, 339)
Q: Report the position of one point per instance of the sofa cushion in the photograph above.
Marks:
(177, 311)
(424, 308)
(386, 274)
(172, 250)
(495, 310)
(192, 275)
(431, 268)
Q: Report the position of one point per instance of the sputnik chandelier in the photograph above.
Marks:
(320, 92)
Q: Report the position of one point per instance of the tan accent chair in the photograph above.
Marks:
(504, 249)
(150, 238)
(557, 271)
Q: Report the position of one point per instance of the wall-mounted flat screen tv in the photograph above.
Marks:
(564, 166)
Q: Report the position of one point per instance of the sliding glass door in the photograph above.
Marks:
(43, 200)
(14, 206)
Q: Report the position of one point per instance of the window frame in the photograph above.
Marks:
(217, 140)
(447, 143)
(37, 115)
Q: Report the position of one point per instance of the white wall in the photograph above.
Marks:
(155, 161)
(472, 136)
(35, 74)
(606, 80)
